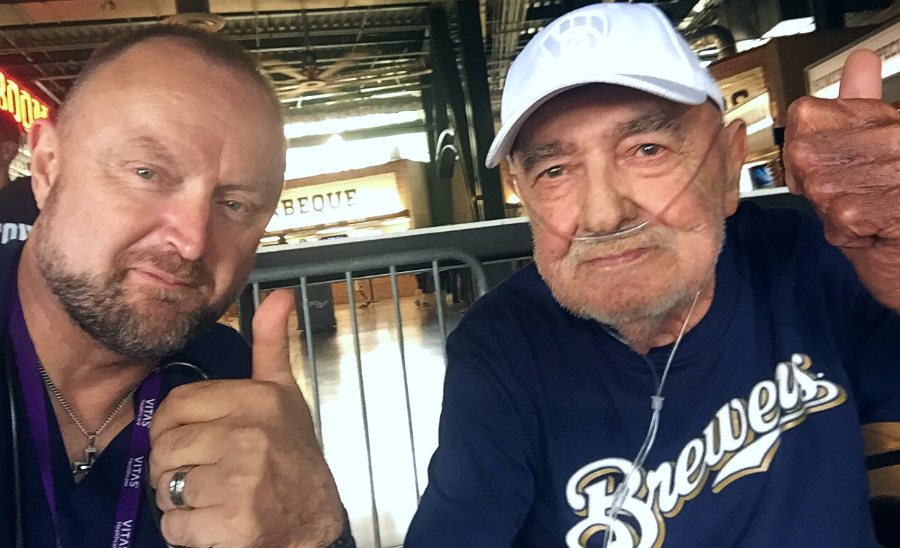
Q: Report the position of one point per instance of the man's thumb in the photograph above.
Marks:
(861, 78)
(271, 356)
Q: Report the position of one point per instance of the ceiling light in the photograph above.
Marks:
(699, 6)
(744, 45)
(294, 130)
(696, 10)
(789, 27)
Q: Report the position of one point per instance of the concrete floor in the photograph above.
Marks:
(343, 434)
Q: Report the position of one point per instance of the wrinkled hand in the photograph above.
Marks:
(260, 478)
(844, 156)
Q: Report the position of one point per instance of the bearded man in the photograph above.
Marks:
(153, 194)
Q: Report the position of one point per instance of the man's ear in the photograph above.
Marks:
(43, 140)
(735, 156)
(511, 176)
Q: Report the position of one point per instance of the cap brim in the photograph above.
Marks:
(507, 134)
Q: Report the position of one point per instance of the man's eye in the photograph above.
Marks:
(553, 172)
(234, 205)
(649, 149)
(145, 173)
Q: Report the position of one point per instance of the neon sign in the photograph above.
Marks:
(24, 107)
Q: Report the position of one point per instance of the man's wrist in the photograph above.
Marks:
(346, 538)
(336, 534)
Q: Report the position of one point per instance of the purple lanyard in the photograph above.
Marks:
(33, 391)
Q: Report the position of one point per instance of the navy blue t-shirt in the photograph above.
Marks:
(18, 211)
(87, 509)
(759, 440)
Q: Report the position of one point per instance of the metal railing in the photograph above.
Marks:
(482, 247)
(435, 261)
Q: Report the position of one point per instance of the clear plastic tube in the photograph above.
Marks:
(656, 404)
(622, 232)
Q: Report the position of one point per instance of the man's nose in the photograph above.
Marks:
(187, 226)
(606, 202)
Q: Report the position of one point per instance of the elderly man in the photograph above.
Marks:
(154, 185)
(675, 369)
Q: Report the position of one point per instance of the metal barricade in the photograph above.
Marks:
(434, 261)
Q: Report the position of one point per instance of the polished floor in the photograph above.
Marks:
(380, 369)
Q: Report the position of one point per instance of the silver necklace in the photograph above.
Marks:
(81, 468)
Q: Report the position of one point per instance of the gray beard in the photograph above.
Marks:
(654, 314)
(638, 325)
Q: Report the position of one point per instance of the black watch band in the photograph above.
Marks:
(346, 538)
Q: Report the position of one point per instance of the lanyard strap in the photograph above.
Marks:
(138, 451)
(34, 392)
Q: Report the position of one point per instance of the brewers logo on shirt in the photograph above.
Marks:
(741, 439)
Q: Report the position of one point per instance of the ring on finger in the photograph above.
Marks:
(177, 485)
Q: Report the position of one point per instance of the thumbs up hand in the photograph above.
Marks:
(844, 156)
(255, 473)
(271, 354)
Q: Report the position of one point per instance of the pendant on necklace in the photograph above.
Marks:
(81, 468)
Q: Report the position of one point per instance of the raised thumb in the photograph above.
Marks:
(861, 77)
(271, 355)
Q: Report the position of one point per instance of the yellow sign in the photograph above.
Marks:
(331, 203)
(16, 100)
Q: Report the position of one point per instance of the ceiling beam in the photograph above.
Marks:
(90, 46)
(37, 13)
(357, 134)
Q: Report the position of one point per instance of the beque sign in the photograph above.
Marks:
(329, 203)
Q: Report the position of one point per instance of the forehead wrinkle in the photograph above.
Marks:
(649, 119)
(145, 142)
(652, 122)
(534, 154)
(142, 144)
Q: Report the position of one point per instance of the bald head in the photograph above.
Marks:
(212, 48)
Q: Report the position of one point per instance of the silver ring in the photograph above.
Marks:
(176, 487)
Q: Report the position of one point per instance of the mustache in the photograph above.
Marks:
(191, 273)
(581, 251)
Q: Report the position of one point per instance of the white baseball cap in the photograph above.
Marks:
(631, 45)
